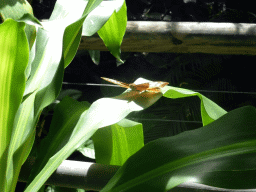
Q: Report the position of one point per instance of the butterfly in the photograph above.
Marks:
(150, 86)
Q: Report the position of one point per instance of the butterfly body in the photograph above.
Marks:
(151, 87)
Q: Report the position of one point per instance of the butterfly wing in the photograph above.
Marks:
(139, 87)
(156, 86)
(152, 86)
(159, 84)
(121, 84)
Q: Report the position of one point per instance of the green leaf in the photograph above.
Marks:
(116, 143)
(113, 31)
(65, 117)
(69, 135)
(102, 113)
(14, 9)
(210, 111)
(74, 15)
(44, 82)
(44, 73)
(71, 41)
(221, 154)
(54, 49)
(99, 16)
(13, 61)
(22, 140)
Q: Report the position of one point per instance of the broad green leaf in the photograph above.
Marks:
(116, 143)
(31, 36)
(102, 112)
(113, 31)
(45, 79)
(22, 140)
(71, 15)
(21, 12)
(45, 68)
(65, 117)
(221, 154)
(14, 9)
(31, 20)
(13, 61)
(210, 111)
(70, 42)
(91, 5)
(46, 72)
(99, 16)
(26, 120)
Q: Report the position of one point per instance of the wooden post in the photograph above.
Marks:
(183, 37)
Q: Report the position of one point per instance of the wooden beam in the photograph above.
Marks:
(183, 37)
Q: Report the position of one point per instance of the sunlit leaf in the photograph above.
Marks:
(113, 31)
(14, 9)
(116, 143)
(221, 154)
(13, 61)
(210, 111)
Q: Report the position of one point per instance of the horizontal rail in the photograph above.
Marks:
(183, 37)
(93, 176)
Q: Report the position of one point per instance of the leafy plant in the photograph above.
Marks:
(14, 52)
(32, 67)
(220, 154)
(76, 127)
(31, 73)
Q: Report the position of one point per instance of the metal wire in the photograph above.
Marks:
(197, 90)
(177, 121)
